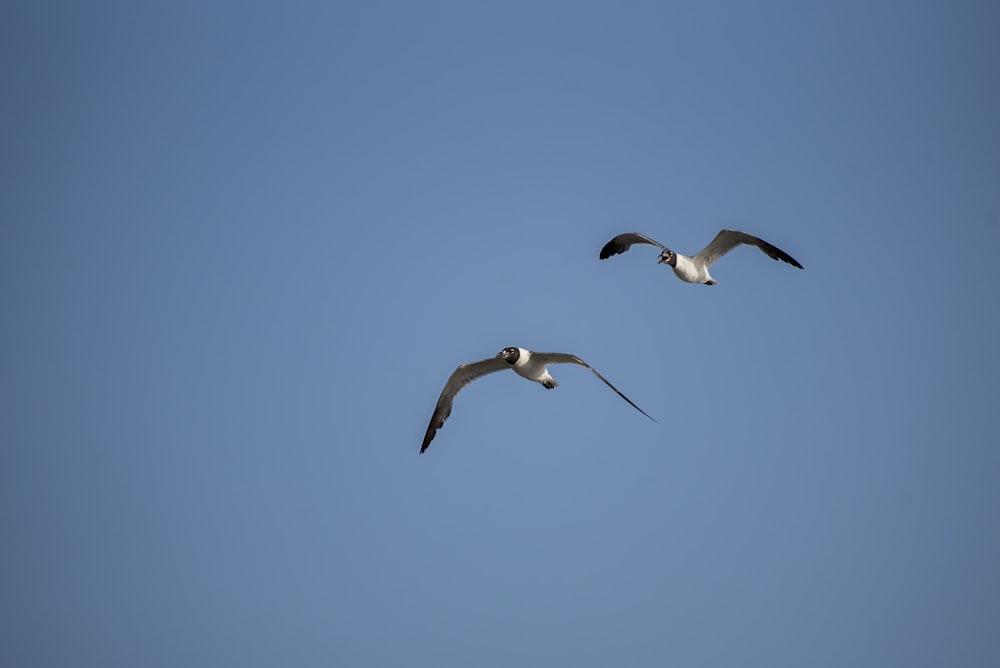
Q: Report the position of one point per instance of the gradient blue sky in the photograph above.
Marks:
(244, 245)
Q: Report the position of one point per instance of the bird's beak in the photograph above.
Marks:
(662, 260)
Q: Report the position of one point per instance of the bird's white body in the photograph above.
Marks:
(530, 367)
(690, 271)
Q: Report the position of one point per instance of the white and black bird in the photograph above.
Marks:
(525, 363)
(695, 269)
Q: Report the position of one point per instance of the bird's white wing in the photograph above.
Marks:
(727, 240)
(462, 376)
(623, 242)
(565, 358)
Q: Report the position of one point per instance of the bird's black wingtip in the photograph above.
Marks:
(610, 248)
(427, 443)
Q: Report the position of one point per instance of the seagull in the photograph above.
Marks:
(695, 269)
(525, 363)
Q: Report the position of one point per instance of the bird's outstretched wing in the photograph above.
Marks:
(460, 377)
(623, 242)
(727, 240)
(565, 358)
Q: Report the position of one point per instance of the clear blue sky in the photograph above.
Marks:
(242, 247)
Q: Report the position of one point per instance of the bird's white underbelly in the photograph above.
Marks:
(688, 271)
(531, 370)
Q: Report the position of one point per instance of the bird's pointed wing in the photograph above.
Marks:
(460, 377)
(727, 240)
(565, 358)
(623, 242)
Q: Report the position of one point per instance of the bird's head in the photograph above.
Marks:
(510, 354)
(667, 256)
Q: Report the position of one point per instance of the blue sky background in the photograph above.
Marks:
(243, 246)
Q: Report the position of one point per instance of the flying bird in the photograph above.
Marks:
(695, 269)
(525, 363)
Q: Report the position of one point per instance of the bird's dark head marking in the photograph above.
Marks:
(668, 257)
(510, 354)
